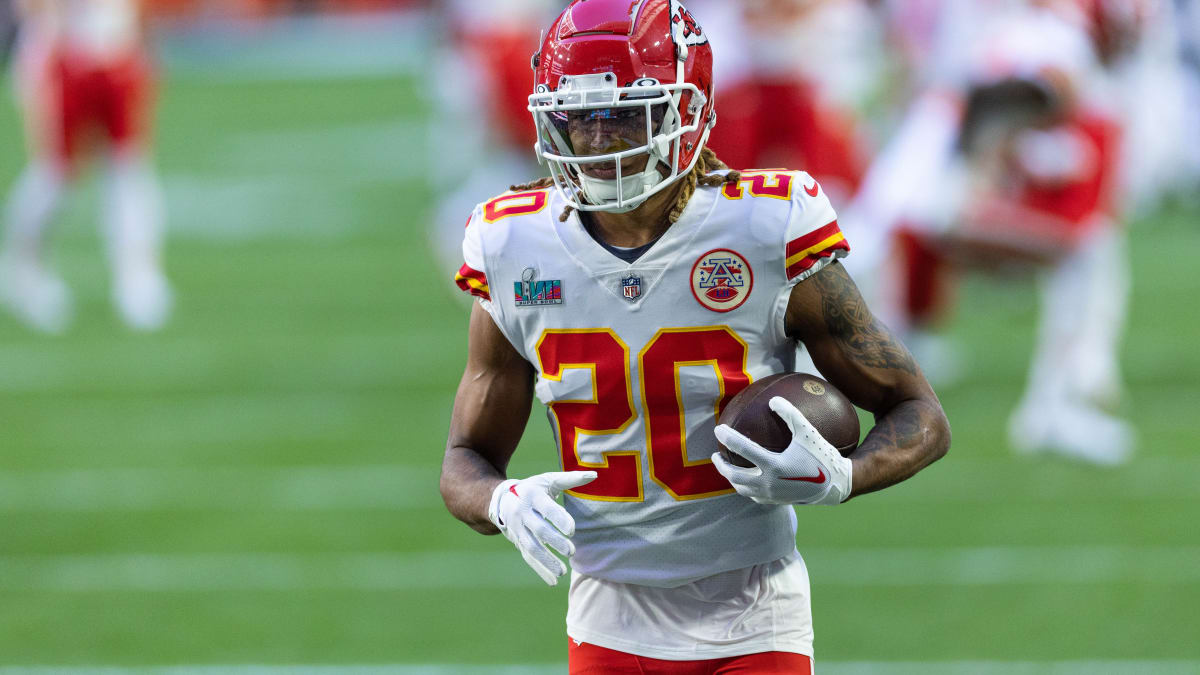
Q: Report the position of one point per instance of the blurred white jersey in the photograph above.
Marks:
(838, 41)
(100, 30)
(939, 37)
(1026, 43)
(634, 360)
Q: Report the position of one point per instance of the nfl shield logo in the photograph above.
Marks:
(631, 287)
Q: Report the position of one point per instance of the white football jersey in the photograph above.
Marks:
(102, 30)
(635, 360)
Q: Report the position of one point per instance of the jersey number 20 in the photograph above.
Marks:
(610, 409)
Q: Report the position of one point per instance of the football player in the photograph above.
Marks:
(1024, 150)
(635, 291)
(83, 75)
(792, 72)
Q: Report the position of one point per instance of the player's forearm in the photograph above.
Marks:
(467, 483)
(906, 439)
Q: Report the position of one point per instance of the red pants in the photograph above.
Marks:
(83, 100)
(589, 659)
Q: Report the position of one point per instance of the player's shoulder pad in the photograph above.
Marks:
(788, 209)
(488, 228)
(513, 206)
(772, 193)
(813, 237)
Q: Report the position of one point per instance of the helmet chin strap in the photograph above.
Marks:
(601, 191)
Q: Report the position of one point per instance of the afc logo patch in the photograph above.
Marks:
(722, 280)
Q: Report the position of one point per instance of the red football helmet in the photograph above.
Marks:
(616, 81)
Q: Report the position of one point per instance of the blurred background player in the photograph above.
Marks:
(1011, 154)
(791, 81)
(84, 83)
(480, 79)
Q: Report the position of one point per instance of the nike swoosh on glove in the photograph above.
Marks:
(528, 515)
(809, 471)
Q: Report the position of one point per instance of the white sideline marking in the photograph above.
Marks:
(177, 362)
(348, 153)
(294, 184)
(973, 480)
(299, 48)
(1001, 565)
(100, 425)
(389, 486)
(265, 572)
(221, 489)
(503, 568)
(1145, 667)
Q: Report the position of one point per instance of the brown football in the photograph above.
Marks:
(825, 407)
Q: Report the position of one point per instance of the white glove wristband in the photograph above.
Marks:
(493, 512)
(528, 515)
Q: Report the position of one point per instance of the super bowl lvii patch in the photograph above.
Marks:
(530, 292)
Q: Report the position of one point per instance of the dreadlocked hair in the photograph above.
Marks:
(702, 174)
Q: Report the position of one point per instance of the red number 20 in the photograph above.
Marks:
(610, 409)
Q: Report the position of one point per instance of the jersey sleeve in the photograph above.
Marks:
(813, 238)
(472, 276)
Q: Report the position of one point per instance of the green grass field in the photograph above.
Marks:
(258, 483)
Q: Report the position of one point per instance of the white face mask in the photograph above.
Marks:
(604, 132)
(610, 148)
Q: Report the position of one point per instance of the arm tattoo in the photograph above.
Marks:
(908, 438)
(902, 431)
(848, 318)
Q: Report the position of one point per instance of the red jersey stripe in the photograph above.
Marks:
(473, 281)
(805, 263)
(812, 238)
(468, 272)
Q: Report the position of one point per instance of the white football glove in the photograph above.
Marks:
(528, 515)
(808, 471)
